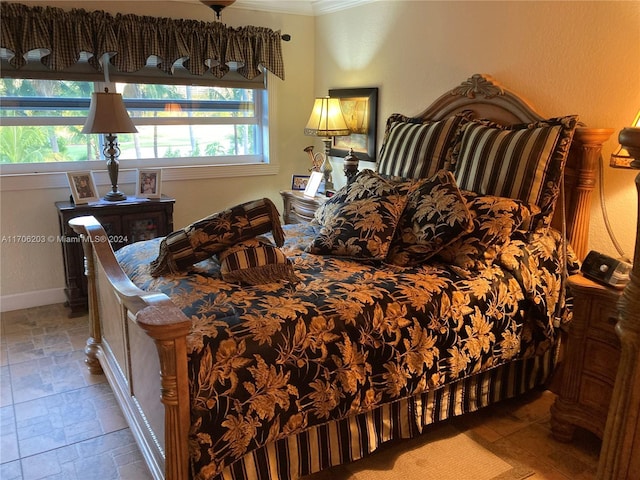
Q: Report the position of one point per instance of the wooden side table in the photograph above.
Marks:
(590, 362)
(298, 207)
(125, 222)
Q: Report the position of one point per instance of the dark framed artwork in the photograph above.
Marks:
(360, 110)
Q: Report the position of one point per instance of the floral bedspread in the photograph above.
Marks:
(271, 360)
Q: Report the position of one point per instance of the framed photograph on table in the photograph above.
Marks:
(360, 110)
(148, 183)
(299, 182)
(83, 187)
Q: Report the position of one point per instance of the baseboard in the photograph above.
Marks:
(36, 298)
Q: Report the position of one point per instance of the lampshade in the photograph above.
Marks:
(108, 115)
(628, 137)
(326, 119)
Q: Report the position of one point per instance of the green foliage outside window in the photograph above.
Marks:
(41, 121)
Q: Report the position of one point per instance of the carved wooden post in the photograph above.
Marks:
(620, 454)
(170, 338)
(590, 140)
(95, 334)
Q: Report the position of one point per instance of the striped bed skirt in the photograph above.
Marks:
(355, 437)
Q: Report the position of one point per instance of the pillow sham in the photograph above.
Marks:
(435, 215)
(524, 161)
(495, 219)
(415, 148)
(361, 221)
(254, 262)
(208, 236)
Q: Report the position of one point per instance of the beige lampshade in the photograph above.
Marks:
(326, 119)
(629, 137)
(108, 115)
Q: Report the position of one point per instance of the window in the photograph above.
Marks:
(196, 90)
(41, 122)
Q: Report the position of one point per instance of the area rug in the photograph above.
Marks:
(444, 453)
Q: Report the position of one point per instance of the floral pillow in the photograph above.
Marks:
(361, 219)
(495, 219)
(435, 215)
(255, 261)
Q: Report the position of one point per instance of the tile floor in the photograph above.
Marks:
(59, 422)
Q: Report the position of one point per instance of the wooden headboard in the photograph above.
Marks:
(488, 99)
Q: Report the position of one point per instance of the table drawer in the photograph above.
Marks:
(602, 359)
(595, 394)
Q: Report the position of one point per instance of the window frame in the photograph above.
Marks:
(53, 174)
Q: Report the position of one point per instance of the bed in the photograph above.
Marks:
(380, 329)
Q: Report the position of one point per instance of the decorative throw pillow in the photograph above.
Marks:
(362, 224)
(331, 206)
(208, 236)
(254, 262)
(436, 214)
(494, 221)
(524, 161)
(415, 148)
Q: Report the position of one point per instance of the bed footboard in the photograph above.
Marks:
(138, 339)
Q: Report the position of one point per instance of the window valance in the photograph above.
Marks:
(130, 40)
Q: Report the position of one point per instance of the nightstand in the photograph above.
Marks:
(590, 364)
(298, 207)
(125, 222)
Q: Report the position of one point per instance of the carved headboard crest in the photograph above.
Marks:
(478, 84)
(486, 98)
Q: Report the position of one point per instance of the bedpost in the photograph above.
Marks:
(586, 148)
(170, 337)
(95, 334)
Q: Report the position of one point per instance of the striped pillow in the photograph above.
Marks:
(413, 148)
(524, 161)
(254, 262)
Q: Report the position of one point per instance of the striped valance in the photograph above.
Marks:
(130, 40)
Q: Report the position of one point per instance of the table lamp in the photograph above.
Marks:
(107, 115)
(623, 420)
(622, 158)
(326, 121)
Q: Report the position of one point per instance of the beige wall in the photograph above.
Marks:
(564, 57)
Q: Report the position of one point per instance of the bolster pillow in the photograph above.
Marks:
(183, 248)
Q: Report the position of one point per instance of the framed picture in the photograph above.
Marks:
(299, 182)
(313, 184)
(83, 188)
(148, 183)
(360, 110)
